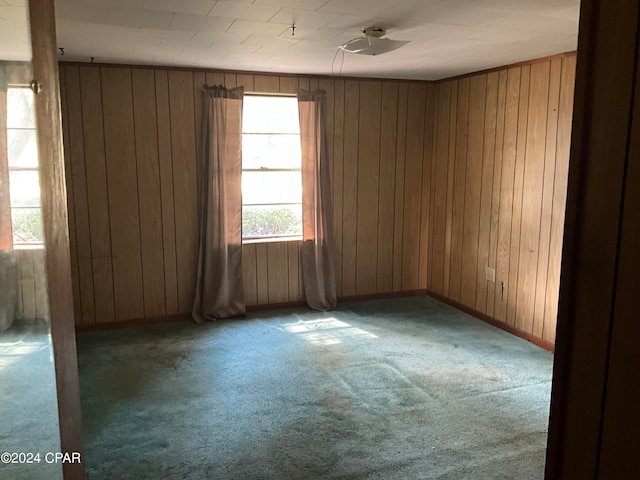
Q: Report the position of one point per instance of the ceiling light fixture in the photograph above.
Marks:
(372, 43)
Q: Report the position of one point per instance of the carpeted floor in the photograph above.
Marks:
(392, 389)
(28, 402)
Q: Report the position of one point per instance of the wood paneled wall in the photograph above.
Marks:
(33, 302)
(131, 138)
(498, 191)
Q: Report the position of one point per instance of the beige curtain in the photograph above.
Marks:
(318, 269)
(219, 292)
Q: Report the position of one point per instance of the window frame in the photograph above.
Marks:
(271, 238)
(10, 169)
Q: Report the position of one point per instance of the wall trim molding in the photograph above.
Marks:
(544, 344)
(185, 317)
(523, 63)
(315, 76)
(134, 322)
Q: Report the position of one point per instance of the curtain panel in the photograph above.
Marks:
(317, 257)
(219, 289)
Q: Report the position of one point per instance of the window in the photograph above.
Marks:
(22, 155)
(271, 169)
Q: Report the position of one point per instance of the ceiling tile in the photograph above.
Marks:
(294, 4)
(364, 8)
(197, 23)
(195, 7)
(258, 28)
(222, 37)
(304, 18)
(259, 13)
(446, 36)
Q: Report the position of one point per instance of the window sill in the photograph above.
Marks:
(28, 247)
(250, 241)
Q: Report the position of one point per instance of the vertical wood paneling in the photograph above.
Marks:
(40, 284)
(473, 184)
(486, 190)
(386, 184)
(422, 179)
(262, 274)
(426, 187)
(459, 188)
(350, 193)
(146, 137)
(79, 185)
(439, 187)
(563, 137)
(492, 287)
(338, 177)
(266, 83)
(413, 186)
(167, 205)
(97, 194)
(277, 272)
(518, 184)
(288, 84)
(293, 252)
(502, 144)
(547, 197)
(506, 192)
(214, 78)
(27, 284)
(448, 228)
(368, 167)
(122, 181)
(73, 247)
(249, 274)
(181, 108)
(231, 80)
(246, 81)
(532, 194)
(403, 92)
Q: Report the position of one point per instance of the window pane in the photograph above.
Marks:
(27, 225)
(23, 148)
(270, 115)
(20, 108)
(271, 151)
(271, 187)
(24, 188)
(272, 221)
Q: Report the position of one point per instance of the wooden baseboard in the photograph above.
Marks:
(143, 322)
(135, 322)
(382, 296)
(544, 344)
(274, 306)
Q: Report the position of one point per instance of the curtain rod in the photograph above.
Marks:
(268, 94)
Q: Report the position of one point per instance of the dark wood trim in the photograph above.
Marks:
(274, 306)
(544, 344)
(533, 61)
(237, 72)
(315, 76)
(605, 72)
(135, 322)
(56, 231)
(382, 296)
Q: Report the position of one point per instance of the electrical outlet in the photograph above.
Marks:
(491, 274)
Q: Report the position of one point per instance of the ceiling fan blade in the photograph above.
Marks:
(371, 45)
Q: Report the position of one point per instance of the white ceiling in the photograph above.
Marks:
(447, 37)
(14, 31)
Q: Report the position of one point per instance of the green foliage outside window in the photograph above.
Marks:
(27, 225)
(270, 222)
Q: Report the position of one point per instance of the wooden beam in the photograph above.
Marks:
(56, 233)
